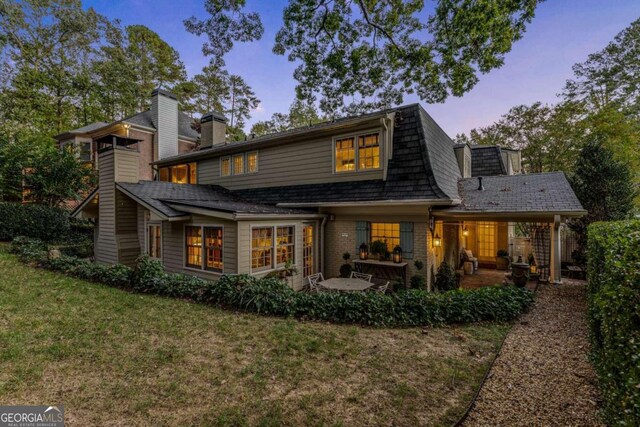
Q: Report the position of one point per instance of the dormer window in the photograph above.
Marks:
(365, 157)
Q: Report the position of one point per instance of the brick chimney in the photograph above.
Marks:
(213, 129)
(164, 115)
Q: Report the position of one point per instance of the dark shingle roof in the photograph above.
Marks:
(184, 123)
(419, 170)
(89, 128)
(160, 195)
(487, 160)
(541, 192)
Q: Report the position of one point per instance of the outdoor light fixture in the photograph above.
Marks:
(432, 224)
(437, 241)
(397, 254)
(465, 231)
(533, 268)
(364, 251)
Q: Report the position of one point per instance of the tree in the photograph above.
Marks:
(15, 156)
(300, 114)
(604, 187)
(57, 176)
(374, 51)
(242, 100)
(550, 136)
(610, 76)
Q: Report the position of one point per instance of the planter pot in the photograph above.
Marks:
(520, 274)
(502, 263)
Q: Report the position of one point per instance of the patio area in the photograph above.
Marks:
(488, 277)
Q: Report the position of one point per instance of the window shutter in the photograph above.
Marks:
(362, 234)
(406, 239)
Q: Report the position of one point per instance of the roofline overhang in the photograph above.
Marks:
(241, 216)
(507, 214)
(151, 208)
(74, 213)
(286, 137)
(414, 202)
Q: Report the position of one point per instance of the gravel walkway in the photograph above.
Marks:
(542, 375)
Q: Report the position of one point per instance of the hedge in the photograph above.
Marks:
(40, 222)
(613, 272)
(272, 296)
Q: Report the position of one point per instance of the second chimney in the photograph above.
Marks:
(213, 129)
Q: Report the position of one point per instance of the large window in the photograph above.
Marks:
(369, 151)
(180, 174)
(204, 247)
(225, 166)
(262, 248)
(213, 245)
(154, 236)
(388, 232)
(486, 240)
(252, 162)
(285, 244)
(193, 242)
(350, 158)
(345, 155)
(238, 164)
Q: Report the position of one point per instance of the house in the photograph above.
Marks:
(308, 195)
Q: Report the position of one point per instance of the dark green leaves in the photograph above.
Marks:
(227, 24)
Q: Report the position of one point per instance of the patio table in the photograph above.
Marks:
(345, 284)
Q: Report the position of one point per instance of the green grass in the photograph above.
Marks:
(117, 358)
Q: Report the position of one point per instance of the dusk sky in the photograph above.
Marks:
(562, 33)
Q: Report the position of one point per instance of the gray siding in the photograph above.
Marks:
(173, 253)
(306, 162)
(105, 245)
(165, 118)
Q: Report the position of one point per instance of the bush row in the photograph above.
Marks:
(41, 222)
(613, 271)
(274, 297)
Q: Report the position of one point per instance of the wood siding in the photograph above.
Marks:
(173, 253)
(305, 162)
(165, 117)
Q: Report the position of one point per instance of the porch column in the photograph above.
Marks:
(556, 263)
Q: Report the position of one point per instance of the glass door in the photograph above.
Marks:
(487, 241)
(308, 250)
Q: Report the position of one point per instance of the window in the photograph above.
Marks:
(252, 162)
(262, 248)
(154, 237)
(193, 241)
(345, 155)
(180, 174)
(285, 244)
(366, 156)
(225, 166)
(238, 164)
(307, 250)
(387, 232)
(369, 151)
(486, 240)
(213, 245)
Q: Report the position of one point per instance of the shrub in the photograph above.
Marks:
(613, 271)
(346, 256)
(36, 221)
(446, 277)
(273, 296)
(345, 270)
(418, 281)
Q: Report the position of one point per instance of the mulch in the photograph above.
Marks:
(543, 376)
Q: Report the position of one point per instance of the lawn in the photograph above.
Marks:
(115, 358)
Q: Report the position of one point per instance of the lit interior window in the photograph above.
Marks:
(225, 166)
(388, 232)
(193, 241)
(368, 151)
(252, 162)
(213, 244)
(238, 164)
(285, 244)
(345, 155)
(262, 248)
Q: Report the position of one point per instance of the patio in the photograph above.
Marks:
(488, 277)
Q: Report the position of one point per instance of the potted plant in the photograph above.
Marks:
(346, 269)
(379, 248)
(502, 260)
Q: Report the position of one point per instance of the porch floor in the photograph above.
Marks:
(488, 277)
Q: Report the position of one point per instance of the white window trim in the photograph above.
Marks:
(355, 137)
(202, 268)
(274, 247)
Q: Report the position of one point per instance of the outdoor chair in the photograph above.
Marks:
(383, 289)
(467, 256)
(314, 281)
(363, 276)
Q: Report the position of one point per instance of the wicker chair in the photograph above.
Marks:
(363, 276)
(314, 281)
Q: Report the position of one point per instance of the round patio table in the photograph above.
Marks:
(345, 284)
